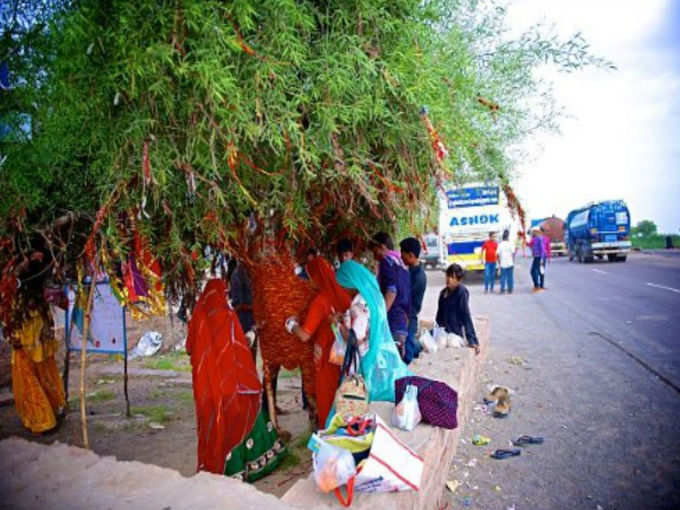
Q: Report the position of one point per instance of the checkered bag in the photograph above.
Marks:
(438, 402)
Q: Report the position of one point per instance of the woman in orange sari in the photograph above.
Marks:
(226, 385)
(331, 299)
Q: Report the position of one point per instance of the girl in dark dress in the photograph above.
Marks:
(453, 312)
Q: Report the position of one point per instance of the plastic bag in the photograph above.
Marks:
(406, 414)
(148, 345)
(333, 466)
(337, 354)
(428, 342)
(439, 335)
(453, 340)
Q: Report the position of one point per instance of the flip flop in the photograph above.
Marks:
(524, 440)
(504, 454)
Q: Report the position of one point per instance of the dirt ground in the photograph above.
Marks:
(162, 426)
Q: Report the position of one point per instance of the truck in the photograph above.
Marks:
(554, 228)
(430, 256)
(597, 230)
(467, 214)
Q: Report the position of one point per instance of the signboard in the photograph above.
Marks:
(472, 197)
(107, 333)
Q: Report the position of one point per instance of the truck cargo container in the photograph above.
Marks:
(598, 230)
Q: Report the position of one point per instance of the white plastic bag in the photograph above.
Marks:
(439, 335)
(333, 466)
(427, 341)
(453, 340)
(406, 414)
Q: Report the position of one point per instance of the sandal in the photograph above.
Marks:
(504, 454)
(525, 440)
(502, 409)
(495, 395)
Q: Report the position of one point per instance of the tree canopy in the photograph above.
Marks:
(186, 120)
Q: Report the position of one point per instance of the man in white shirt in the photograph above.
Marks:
(506, 259)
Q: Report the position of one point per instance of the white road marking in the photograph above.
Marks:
(663, 287)
(600, 271)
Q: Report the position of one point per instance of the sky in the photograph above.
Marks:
(621, 139)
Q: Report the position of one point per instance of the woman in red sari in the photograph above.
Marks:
(227, 390)
(331, 299)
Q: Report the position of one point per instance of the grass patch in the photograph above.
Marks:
(287, 374)
(654, 242)
(301, 442)
(176, 361)
(92, 397)
(184, 396)
(158, 414)
(290, 461)
(100, 396)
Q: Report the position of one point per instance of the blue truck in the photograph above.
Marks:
(598, 230)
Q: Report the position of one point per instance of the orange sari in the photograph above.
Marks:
(38, 390)
(331, 298)
(227, 390)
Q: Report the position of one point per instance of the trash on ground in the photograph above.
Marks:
(497, 488)
(148, 345)
(467, 502)
(472, 463)
(156, 426)
(517, 360)
(105, 381)
(479, 440)
(452, 485)
(181, 346)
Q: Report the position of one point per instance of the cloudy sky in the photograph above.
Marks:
(622, 139)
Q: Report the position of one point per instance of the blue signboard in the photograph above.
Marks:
(472, 197)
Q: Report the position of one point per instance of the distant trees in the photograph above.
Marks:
(644, 228)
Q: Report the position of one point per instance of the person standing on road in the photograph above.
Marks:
(538, 253)
(395, 285)
(490, 258)
(506, 259)
(453, 310)
(546, 257)
(410, 251)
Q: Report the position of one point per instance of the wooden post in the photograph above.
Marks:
(125, 383)
(67, 356)
(83, 354)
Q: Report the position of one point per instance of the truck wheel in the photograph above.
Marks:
(611, 258)
(621, 258)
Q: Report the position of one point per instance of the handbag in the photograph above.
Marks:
(351, 397)
(438, 402)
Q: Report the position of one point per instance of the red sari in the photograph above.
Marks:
(226, 386)
(331, 298)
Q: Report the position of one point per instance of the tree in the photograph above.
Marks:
(182, 122)
(644, 228)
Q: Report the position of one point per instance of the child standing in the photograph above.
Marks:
(453, 312)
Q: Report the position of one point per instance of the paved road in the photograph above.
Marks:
(600, 381)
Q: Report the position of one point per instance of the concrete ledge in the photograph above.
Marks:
(66, 477)
(459, 368)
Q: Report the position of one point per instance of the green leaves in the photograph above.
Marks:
(304, 113)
